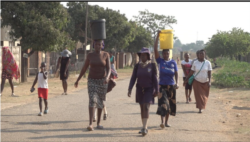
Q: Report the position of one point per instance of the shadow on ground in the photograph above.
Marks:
(241, 108)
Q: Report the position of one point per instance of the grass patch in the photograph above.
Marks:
(232, 74)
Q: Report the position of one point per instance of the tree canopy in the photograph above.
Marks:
(228, 43)
(154, 22)
(40, 25)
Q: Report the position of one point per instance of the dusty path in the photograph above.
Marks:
(68, 118)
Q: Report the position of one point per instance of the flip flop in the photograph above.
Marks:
(162, 126)
(144, 132)
(167, 125)
(190, 100)
(90, 128)
(99, 127)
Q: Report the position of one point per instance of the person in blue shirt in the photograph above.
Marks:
(167, 92)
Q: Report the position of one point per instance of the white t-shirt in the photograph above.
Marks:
(186, 64)
(203, 75)
(42, 83)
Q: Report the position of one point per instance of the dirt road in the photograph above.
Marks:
(68, 118)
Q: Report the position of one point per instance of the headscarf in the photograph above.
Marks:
(9, 63)
(102, 44)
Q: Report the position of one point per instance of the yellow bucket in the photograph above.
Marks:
(166, 39)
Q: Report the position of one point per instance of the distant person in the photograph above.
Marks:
(9, 69)
(63, 63)
(167, 97)
(178, 60)
(215, 64)
(43, 91)
(197, 57)
(202, 71)
(98, 78)
(186, 67)
(145, 75)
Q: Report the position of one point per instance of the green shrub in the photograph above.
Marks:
(232, 73)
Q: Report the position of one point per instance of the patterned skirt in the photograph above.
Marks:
(5, 75)
(97, 92)
(167, 100)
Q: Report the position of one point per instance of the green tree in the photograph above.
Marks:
(40, 25)
(154, 22)
(229, 44)
(119, 32)
(142, 39)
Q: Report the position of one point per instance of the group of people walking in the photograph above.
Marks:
(149, 83)
(148, 86)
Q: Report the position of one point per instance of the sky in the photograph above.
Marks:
(195, 20)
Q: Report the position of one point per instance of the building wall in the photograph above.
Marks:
(128, 59)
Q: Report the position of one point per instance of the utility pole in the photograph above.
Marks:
(86, 37)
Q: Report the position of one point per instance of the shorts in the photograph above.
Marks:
(43, 93)
(187, 87)
(5, 75)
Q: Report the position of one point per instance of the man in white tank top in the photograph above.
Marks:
(42, 79)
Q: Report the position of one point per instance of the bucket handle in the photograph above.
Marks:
(166, 32)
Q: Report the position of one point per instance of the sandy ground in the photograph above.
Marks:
(68, 117)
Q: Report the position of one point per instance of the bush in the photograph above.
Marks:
(232, 74)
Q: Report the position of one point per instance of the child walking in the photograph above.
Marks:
(42, 79)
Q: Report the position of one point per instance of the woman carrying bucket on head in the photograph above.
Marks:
(167, 96)
(98, 78)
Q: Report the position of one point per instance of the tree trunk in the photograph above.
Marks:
(133, 59)
(24, 69)
(86, 35)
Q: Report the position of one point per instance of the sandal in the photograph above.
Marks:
(94, 120)
(99, 127)
(90, 128)
(162, 126)
(167, 125)
(140, 131)
(190, 100)
(144, 131)
(105, 116)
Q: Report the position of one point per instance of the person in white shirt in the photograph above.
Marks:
(202, 80)
(186, 67)
(42, 79)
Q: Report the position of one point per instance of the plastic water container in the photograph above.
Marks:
(98, 29)
(166, 39)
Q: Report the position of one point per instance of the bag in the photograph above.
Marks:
(57, 73)
(111, 85)
(191, 79)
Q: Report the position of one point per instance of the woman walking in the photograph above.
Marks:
(10, 69)
(63, 62)
(201, 69)
(147, 85)
(186, 67)
(167, 97)
(98, 78)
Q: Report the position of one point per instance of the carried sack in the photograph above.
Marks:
(191, 79)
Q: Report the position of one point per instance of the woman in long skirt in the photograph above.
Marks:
(201, 69)
(167, 96)
(98, 78)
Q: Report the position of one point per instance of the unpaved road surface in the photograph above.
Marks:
(68, 118)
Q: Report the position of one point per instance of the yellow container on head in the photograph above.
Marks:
(166, 39)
